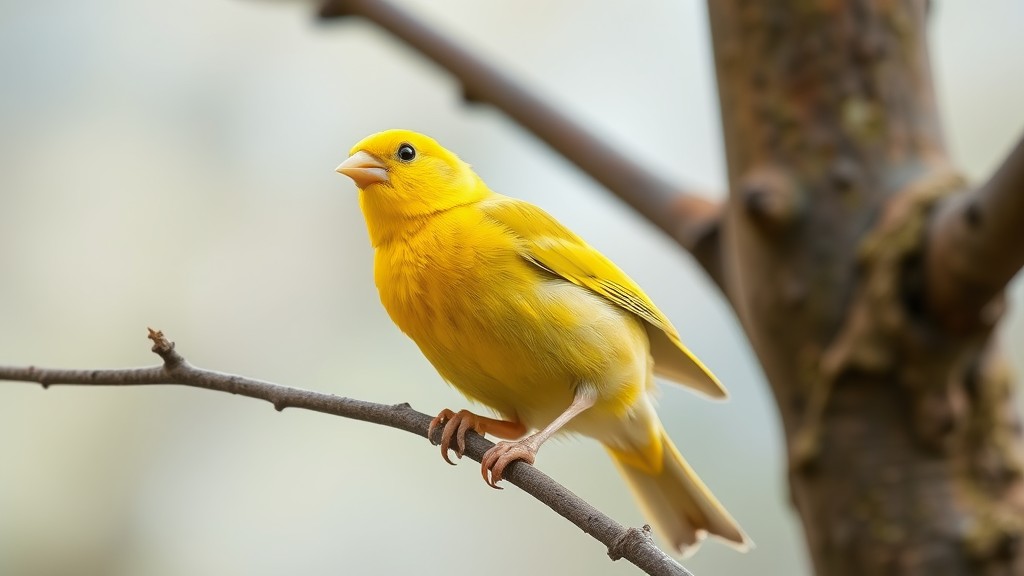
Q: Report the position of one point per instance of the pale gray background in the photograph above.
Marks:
(171, 164)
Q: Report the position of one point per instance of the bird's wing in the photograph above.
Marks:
(553, 247)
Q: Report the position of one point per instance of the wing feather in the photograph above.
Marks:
(552, 247)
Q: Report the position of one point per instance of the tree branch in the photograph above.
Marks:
(633, 544)
(664, 204)
(976, 246)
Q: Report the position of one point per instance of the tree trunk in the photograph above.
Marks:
(904, 448)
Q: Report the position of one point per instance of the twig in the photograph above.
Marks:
(666, 205)
(976, 246)
(632, 544)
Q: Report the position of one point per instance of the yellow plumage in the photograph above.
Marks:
(523, 316)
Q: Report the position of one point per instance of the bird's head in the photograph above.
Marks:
(402, 174)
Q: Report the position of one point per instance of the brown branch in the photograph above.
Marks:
(633, 544)
(976, 246)
(664, 204)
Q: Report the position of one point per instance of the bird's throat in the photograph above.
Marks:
(390, 215)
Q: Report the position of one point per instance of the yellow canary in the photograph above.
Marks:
(523, 316)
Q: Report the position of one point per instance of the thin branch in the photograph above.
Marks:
(633, 544)
(976, 245)
(666, 205)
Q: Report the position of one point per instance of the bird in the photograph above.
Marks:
(521, 315)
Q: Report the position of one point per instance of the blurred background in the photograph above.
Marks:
(171, 164)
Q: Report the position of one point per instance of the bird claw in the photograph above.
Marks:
(495, 460)
(456, 424)
(501, 455)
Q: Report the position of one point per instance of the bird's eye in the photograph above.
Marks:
(406, 153)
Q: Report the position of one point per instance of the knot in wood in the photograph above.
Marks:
(631, 540)
(770, 198)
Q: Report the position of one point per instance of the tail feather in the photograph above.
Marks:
(681, 508)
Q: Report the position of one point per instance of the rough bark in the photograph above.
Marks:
(905, 451)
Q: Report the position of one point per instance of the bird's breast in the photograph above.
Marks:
(502, 330)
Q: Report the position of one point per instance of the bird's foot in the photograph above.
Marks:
(456, 424)
(495, 460)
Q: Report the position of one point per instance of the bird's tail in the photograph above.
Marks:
(680, 507)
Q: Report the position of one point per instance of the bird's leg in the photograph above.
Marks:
(502, 454)
(456, 424)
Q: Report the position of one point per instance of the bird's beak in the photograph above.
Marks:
(363, 168)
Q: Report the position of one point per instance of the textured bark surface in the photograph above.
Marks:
(905, 451)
